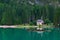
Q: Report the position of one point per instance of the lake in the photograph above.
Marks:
(23, 34)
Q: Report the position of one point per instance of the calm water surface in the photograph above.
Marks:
(23, 34)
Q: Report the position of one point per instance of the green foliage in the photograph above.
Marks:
(31, 23)
(21, 12)
(47, 21)
(57, 16)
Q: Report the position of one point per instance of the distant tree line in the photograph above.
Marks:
(14, 12)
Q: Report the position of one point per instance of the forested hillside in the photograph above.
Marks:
(26, 11)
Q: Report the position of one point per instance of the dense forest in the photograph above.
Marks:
(13, 12)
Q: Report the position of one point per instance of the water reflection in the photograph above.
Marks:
(40, 32)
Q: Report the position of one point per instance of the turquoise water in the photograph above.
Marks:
(22, 34)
